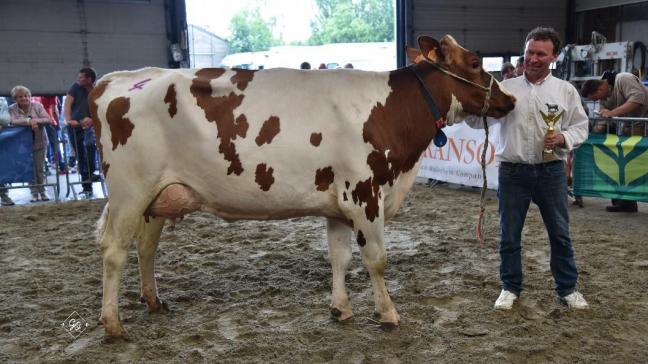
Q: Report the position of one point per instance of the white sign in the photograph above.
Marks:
(459, 161)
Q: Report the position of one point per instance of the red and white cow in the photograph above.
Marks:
(273, 144)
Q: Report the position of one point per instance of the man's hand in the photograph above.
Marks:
(605, 113)
(73, 123)
(86, 123)
(554, 140)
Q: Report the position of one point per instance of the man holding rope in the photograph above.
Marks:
(535, 138)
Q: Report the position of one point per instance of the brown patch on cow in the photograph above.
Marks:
(264, 176)
(399, 138)
(221, 111)
(170, 98)
(323, 178)
(344, 196)
(95, 94)
(121, 128)
(241, 78)
(268, 131)
(361, 238)
(347, 184)
(367, 192)
(316, 139)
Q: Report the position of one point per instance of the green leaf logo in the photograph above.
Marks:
(620, 162)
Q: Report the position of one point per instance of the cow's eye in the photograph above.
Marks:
(476, 65)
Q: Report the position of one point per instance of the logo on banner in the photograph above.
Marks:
(612, 166)
(620, 162)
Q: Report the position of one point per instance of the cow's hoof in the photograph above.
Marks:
(158, 306)
(115, 340)
(113, 330)
(389, 326)
(388, 322)
(339, 315)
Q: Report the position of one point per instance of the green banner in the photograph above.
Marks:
(612, 166)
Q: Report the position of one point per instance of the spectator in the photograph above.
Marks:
(524, 175)
(32, 114)
(5, 120)
(305, 66)
(322, 66)
(508, 71)
(348, 65)
(519, 66)
(51, 105)
(77, 116)
(620, 95)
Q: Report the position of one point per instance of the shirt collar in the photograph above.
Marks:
(539, 83)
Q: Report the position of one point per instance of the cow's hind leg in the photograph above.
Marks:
(148, 236)
(339, 243)
(114, 235)
(369, 236)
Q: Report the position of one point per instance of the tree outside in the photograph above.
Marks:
(251, 33)
(353, 21)
(338, 21)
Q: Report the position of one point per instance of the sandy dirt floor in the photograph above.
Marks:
(258, 292)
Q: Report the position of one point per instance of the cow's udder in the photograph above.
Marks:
(174, 201)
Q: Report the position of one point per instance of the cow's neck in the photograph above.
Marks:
(402, 128)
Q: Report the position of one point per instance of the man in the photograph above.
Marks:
(519, 66)
(507, 70)
(82, 137)
(524, 173)
(5, 120)
(623, 95)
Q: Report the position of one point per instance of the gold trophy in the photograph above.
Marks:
(551, 119)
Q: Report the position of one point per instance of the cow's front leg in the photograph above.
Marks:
(369, 236)
(147, 243)
(339, 243)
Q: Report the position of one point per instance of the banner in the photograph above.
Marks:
(16, 163)
(612, 166)
(459, 161)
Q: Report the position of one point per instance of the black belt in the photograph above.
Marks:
(527, 165)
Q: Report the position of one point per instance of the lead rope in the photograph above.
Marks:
(482, 198)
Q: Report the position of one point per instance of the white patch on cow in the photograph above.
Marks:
(455, 112)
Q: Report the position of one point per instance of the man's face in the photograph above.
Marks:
(519, 69)
(538, 56)
(84, 80)
(508, 73)
(601, 92)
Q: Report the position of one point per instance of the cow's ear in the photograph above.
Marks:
(430, 49)
(414, 55)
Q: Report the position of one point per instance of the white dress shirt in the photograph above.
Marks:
(522, 131)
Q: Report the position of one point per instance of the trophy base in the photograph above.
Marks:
(549, 157)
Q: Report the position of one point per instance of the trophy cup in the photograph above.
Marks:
(551, 119)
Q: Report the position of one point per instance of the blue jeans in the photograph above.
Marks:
(546, 185)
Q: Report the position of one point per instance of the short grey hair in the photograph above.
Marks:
(20, 89)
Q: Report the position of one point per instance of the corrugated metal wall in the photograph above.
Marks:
(492, 27)
(45, 42)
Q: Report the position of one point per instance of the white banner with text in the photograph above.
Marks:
(459, 161)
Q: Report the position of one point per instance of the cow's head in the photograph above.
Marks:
(470, 93)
